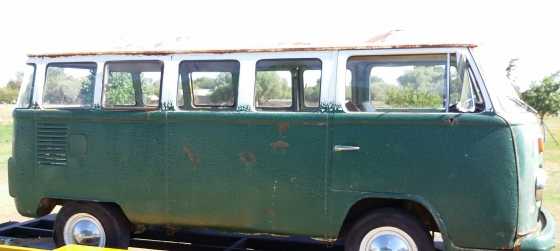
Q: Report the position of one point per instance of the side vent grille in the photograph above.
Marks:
(51, 144)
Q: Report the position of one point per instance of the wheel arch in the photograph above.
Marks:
(417, 207)
(47, 204)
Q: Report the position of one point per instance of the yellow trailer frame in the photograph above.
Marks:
(65, 248)
(36, 234)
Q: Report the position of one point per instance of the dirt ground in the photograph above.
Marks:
(7, 208)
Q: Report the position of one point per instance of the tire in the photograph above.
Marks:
(114, 228)
(391, 223)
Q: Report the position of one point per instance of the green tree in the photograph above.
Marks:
(427, 78)
(409, 97)
(222, 86)
(15, 83)
(312, 94)
(62, 88)
(421, 87)
(379, 88)
(86, 90)
(208, 82)
(120, 90)
(150, 90)
(9, 93)
(269, 85)
(545, 98)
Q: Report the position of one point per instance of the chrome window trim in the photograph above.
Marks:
(447, 80)
(68, 106)
(100, 60)
(297, 92)
(488, 104)
(98, 85)
(247, 76)
(345, 55)
(40, 77)
(24, 86)
(200, 107)
(105, 80)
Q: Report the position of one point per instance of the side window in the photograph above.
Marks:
(407, 83)
(69, 85)
(274, 89)
(26, 89)
(207, 84)
(288, 84)
(311, 88)
(132, 84)
(464, 94)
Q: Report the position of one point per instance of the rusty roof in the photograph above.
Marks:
(387, 40)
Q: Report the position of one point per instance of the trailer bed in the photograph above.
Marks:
(37, 234)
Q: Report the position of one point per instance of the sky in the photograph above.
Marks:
(527, 30)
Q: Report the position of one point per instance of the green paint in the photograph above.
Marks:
(461, 170)
(277, 173)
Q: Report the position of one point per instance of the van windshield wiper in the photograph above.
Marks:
(523, 104)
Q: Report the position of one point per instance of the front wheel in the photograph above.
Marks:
(388, 229)
(91, 224)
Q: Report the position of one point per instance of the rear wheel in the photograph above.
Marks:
(91, 224)
(388, 229)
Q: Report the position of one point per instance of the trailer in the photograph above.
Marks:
(36, 234)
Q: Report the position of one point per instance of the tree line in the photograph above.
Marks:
(9, 92)
(544, 96)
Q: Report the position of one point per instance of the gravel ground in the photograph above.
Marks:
(7, 207)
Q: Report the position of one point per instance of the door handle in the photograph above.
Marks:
(341, 148)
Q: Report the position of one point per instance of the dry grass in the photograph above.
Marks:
(7, 207)
(552, 167)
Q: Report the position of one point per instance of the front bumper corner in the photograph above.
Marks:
(542, 240)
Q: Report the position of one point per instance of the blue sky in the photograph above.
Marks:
(505, 29)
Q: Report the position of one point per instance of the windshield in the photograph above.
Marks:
(500, 87)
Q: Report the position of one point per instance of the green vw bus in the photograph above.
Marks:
(379, 146)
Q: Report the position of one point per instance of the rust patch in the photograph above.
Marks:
(451, 121)
(247, 158)
(283, 127)
(300, 47)
(270, 212)
(279, 145)
(170, 230)
(191, 155)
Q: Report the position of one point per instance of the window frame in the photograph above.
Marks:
(303, 106)
(125, 107)
(291, 108)
(476, 89)
(298, 88)
(72, 107)
(190, 105)
(409, 60)
(30, 99)
(345, 55)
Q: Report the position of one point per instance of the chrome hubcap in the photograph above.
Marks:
(84, 229)
(387, 239)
